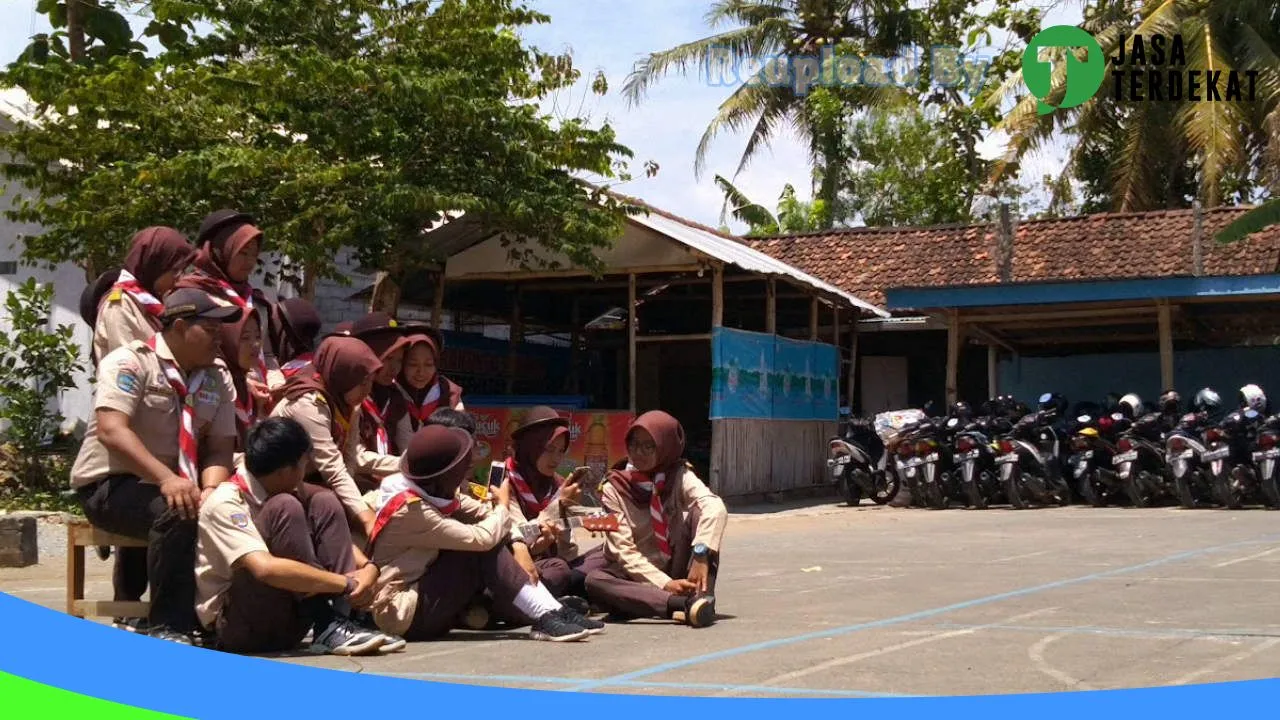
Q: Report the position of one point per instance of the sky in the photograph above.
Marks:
(665, 127)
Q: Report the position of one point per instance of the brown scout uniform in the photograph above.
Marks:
(336, 466)
(634, 549)
(131, 380)
(412, 540)
(120, 321)
(227, 533)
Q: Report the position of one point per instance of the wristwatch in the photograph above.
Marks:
(700, 551)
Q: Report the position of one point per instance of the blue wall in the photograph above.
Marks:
(1091, 377)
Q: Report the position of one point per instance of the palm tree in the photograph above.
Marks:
(794, 215)
(1259, 218)
(1159, 141)
(765, 29)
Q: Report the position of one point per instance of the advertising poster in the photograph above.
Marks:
(597, 438)
(761, 376)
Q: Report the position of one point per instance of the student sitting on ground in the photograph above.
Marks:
(377, 456)
(421, 389)
(241, 346)
(324, 400)
(539, 494)
(660, 564)
(275, 558)
(437, 549)
(160, 440)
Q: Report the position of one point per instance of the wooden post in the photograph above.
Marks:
(853, 360)
(631, 337)
(437, 305)
(515, 337)
(993, 371)
(813, 319)
(1166, 346)
(717, 296)
(1197, 242)
(771, 309)
(953, 355)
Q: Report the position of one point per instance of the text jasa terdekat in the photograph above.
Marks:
(1154, 68)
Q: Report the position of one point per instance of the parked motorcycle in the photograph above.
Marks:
(975, 454)
(1031, 463)
(933, 445)
(1186, 447)
(1230, 458)
(1092, 447)
(1265, 453)
(1140, 462)
(859, 463)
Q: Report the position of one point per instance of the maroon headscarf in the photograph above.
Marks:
(668, 436)
(222, 236)
(230, 351)
(153, 252)
(341, 364)
(529, 446)
(398, 407)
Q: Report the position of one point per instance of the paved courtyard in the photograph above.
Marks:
(827, 601)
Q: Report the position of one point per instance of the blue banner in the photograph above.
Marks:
(762, 376)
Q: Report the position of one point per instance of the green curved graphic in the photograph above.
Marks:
(1083, 77)
(28, 699)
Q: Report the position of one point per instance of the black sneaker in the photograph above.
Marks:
(576, 604)
(701, 611)
(165, 633)
(552, 627)
(573, 617)
(344, 637)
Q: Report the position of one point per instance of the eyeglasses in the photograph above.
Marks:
(641, 448)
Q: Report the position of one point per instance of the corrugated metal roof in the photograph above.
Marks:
(735, 253)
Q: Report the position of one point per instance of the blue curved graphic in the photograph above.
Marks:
(97, 661)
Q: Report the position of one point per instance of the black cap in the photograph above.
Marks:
(218, 220)
(195, 303)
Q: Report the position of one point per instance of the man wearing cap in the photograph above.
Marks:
(161, 438)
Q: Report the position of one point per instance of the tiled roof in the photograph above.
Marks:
(1108, 246)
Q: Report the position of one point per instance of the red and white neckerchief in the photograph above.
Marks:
(246, 409)
(528, 500)
(148, 302)
(186, 390)
(246, 304)
(656, 513)
(371, 411)
(296, 365)
(394, 492)
(430, 403)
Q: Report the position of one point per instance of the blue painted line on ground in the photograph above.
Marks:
(1116, 632)
(725, 687)
(900, 619)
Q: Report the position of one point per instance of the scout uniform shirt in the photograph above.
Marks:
(121, 320)
(411, 541)
(132, 381)
(566, 548)
(634, 548)
(327, 459)
(227, 532)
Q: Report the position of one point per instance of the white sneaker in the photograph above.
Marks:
(344, 637)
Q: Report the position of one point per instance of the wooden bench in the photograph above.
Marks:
(81, 536)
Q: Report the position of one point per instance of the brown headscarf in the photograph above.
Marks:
(223, 234)
(668, 436)
(341, 364)
(295, 324)
(529, 446)
(398, 406)
(230, 351)
(153, 252)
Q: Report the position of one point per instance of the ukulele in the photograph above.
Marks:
(600, 522)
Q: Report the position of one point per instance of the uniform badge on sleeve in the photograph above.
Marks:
(240, 520)
(127, 380)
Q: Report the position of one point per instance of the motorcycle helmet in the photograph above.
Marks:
(960, 410)
(1252, 397)
(1131, 406)
(1207, 401)
(1111, 403)
(1052, 402)
(1171, 403)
